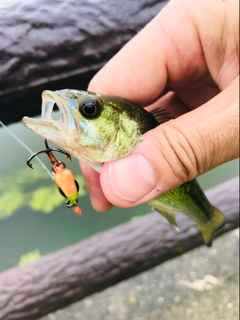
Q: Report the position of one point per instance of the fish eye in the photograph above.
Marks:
(90, 109)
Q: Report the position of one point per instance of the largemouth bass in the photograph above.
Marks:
(98, 128)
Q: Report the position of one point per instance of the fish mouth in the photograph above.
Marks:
(49, 100)
(47, 127)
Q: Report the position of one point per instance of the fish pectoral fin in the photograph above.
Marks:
(208, 229)
(169, 215)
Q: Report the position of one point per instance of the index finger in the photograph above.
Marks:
(163, 53)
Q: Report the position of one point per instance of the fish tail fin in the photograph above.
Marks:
(208, 229)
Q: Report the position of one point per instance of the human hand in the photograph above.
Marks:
(186, 61)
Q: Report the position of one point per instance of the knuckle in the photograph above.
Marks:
(183, 153)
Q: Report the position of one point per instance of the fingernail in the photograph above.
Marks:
(131, 178)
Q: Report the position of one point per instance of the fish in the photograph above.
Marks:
(98, 128)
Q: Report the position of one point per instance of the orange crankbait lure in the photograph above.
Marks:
(63, 177)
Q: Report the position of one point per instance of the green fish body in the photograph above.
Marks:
(98, 128)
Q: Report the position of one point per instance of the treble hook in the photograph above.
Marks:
(49, 151)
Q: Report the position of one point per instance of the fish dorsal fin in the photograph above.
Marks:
(161, 115)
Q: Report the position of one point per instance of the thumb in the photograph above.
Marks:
(175, 152)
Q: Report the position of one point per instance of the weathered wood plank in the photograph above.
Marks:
(60, 44)
(66, 276)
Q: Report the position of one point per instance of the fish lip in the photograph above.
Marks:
(45, 129)
(47, 126)
(66, 122)
(39, 126)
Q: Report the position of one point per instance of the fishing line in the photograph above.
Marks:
(26, 148)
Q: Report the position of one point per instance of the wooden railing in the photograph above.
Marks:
(60, 45)
(68, 275)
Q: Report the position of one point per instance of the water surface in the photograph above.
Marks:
(23, 229)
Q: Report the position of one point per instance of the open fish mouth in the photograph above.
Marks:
(49, 100)
(49, 128)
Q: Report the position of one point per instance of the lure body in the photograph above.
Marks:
(68, 187)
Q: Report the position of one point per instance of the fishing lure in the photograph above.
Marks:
(63, 177)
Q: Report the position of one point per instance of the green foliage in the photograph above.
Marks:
(232, 277)
(136, 217)
(45, 199)
(179, 250)
(13, 194)
(29, 257)
(21, 178)
(10, 202)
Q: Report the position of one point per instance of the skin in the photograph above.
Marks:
(189, 65)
